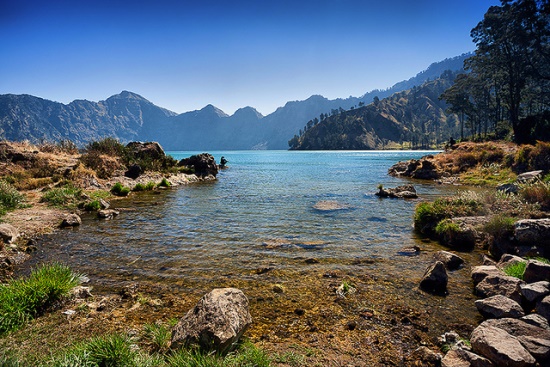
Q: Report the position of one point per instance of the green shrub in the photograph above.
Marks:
(139, 187)
(108, 146)
(500, 226)
(537, 192)
(165, 183)
(10, 198)
(150, 186)
(119, 190)
(428, 215)
(24, 299)
(516, 269)
(62, 196)
(446, 227)
(92, 206)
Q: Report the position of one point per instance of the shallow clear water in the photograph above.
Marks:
(259, 213)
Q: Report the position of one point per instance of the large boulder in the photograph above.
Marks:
(536, 271)
(481, 272)
(533, 231)
(204, 164)
(435, 279)
(423, 169)
(451, 261)
(499, 306)
(493, 285)
(543, 308)
(71, 220)
(535, 291)
(8, 233)
(533, 338)
(500, 347)
(146, 150)
(216, 323)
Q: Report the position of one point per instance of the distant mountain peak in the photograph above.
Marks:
(127, 95)
(248, 112)
(213, 110)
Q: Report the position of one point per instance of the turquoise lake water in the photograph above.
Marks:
(259, 214)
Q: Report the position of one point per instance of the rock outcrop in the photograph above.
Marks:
(499, 306)
(423, 169)
(146, 150)
(203, 164)
(216, 323)
(404, 192)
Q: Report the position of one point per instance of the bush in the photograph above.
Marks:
(119, 190)
(500, 226)
(428, 215)
(24, 299)
(537, 192)
(10, 198)
(165, 183)
(62, 196)
(92, 206)
(108, 146)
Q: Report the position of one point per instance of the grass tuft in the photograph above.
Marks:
(10, 198)
(516, 269)
(119, 190)
(67, 195)
(24, 299)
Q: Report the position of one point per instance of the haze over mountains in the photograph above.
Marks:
(128, 116)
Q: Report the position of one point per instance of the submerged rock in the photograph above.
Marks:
(330, 205)
(216, 323)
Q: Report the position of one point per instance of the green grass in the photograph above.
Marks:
(67, 195)
(92, 206)
(446, 227)
(428, 214)
(516, 269)
(22, 300)
(10, 198)
(119, 190)
(149, 186)
(158, 335)
(165, 183)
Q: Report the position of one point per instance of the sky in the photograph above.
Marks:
(183, 55)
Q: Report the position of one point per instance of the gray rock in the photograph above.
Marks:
(499, 306)
(204, 164)
(504, 285)
(500, 347)
(8, 233)
(451, 261)
(435, 279)
(535, 291)
(509, 188)
(535, 339)
(543, 307)
(481, 272)
(533, 231)
(71, 220)
(462, 358)
(536, 271)
(404, 191)
(107, 213)
(104, 204)
(508, 259)
(216, 323)
(536, 320)
(528, 176)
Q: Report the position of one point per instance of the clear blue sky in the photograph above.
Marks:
(183, 55)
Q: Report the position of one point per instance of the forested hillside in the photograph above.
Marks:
(414, 118)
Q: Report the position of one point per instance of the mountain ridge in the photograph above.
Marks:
(129, 116)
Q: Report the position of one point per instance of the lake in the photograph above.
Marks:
(256, 226)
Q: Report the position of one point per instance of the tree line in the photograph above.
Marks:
(507, 80)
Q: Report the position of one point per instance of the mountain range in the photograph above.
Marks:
(128, 116)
